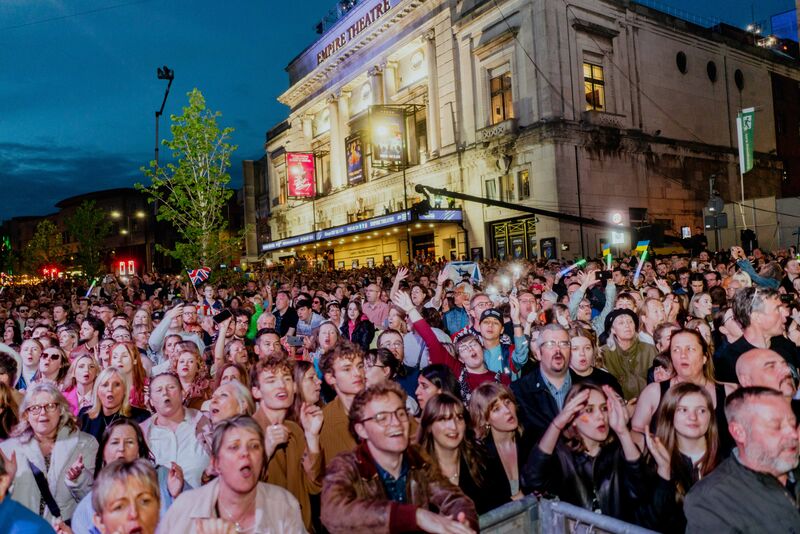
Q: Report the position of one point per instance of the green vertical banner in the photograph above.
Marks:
(745, 123)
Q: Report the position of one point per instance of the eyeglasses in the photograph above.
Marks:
(392, 345)
(474, 345)
(36, 409)
(561, 344)
(23, 310)
(384, 419)
(53, 355)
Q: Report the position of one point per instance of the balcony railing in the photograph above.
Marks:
(498, 131)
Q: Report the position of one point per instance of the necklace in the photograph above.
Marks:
(236, 524)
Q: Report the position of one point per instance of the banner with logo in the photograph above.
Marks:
(355, 160)
(300, 175)
(745, 123)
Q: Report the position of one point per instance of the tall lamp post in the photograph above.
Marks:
(163, 73)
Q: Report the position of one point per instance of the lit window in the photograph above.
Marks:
(594, 85)
(500, 88)
(524, 184)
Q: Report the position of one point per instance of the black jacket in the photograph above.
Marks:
(734, 498)
(362, 333)
(663, 512)
(537, 407)
(608, 482)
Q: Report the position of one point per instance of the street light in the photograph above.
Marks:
(163, 73)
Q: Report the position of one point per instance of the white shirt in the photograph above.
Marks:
(181, 446)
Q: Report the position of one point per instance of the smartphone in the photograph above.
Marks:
(694, 265)
(295, 341)
(602, 275)
(222, 316)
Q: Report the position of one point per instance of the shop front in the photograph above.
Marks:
(513, 239)
(375, 241)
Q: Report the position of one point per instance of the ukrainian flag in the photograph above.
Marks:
(606, 251)
(641, 246)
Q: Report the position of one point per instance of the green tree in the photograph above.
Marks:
(89, 226)
(45, 247)
(192, 193)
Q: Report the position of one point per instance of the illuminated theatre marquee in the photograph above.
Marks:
(364, 22)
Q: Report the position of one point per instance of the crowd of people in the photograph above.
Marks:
(405, 399)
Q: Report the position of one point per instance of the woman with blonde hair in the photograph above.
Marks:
(126, 357)
(53, 366)
(79, 382)
(109, 401)
(493, 410)
(192, 372)
(47, 442)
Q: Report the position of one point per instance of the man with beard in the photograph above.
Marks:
(748, 491)
(541, 393)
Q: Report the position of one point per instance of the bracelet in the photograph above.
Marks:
(516, 325)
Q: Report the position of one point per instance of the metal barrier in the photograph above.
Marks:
(531, 516)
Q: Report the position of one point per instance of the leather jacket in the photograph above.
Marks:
(354, 499)
(608, 482)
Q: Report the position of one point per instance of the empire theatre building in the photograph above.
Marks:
(605, 109)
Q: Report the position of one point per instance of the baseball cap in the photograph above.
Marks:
(491, 313)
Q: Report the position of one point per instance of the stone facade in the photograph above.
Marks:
(670, 94)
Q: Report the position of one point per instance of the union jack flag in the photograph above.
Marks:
(199, 275)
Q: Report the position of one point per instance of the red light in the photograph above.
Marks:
(122, 268)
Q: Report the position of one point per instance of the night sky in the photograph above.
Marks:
(78, 86)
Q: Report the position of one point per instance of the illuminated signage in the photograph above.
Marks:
(355, 160)
(401, 217)
(366, 20)
(300, 175)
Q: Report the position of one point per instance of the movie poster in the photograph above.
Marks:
(355, 160)
(388, 132)
(300, 175)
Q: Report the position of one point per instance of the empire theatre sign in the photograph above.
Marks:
(362, 23)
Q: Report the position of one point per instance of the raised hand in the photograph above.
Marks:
(442, 278)
(402, 274)
(275, 436)
(175, 480)
(514, 303)
(659, 453)
(75, 469)
(617, 414)
(570, 410)
(11, 464)
(311, 418)
(403, 301)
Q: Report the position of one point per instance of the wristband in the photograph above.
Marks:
(516, 325)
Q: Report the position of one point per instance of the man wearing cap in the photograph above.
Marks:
(457, 318)
(503, 357)
(625, 357)
(307, 318)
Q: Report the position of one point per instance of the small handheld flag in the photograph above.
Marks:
(641, 246)
(606, 251)
(199, 276)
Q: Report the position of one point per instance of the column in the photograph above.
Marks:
(308, 128)
(337, 146)
(344, 131)
(434, 128)
(390, 80)
(376, 81)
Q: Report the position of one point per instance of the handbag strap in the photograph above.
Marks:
(44, 489)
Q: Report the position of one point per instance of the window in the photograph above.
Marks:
(524, 184)
(500, 93)
(491, 188)
(283, 195)
(323, 172)
(594, 85)
(507, 188)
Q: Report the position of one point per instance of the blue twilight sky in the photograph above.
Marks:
(78, 87)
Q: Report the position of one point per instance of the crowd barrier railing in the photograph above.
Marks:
(531, 516)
